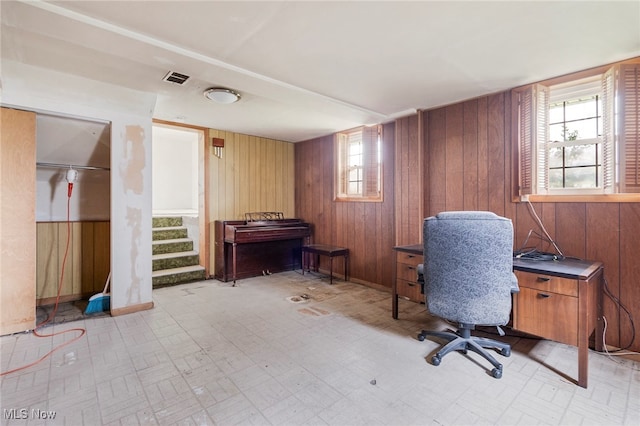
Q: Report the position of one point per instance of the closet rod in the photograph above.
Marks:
(72, 166)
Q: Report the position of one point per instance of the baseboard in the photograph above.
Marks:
(131, 309)
(63, 299)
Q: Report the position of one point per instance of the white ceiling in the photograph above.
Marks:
(308, 69)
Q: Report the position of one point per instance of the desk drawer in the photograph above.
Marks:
(547, 283)
(546, 314)
(409, 290)
(406, 272)
(407, 285)
(409, 258)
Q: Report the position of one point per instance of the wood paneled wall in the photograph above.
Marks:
(253, 174)
(468, 149)
(366, 228)
(468, 164)
(409, 183)
(465, 163)
(87, 262)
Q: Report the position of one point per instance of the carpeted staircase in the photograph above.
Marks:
(174, 258)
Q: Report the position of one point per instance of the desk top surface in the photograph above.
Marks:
(413, 248)
(566, 268)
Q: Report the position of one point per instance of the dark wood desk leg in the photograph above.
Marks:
(583, 332)
(394, 300)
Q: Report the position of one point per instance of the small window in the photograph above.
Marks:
(574, 149)
(359, 164)
(581, 136)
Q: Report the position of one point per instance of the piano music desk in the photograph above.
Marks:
(324, 250)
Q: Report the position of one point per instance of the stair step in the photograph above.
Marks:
(169, 233)
(161, 222)
(175, 260)
(172, 246)
(175, 276)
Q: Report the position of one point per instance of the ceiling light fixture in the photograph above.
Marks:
(222, 95)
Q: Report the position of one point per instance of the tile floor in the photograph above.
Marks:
(259, 353)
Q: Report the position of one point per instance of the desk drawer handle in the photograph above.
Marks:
(544, 279)
(410, 256)
(411, 267)
(543, 295)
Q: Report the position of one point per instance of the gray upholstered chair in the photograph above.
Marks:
(468, 279)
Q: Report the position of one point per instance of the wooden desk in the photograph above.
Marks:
(324, 250)
(561, 301)
(558, 300)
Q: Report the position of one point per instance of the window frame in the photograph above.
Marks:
(623, 80)
(604, 166)
(372, 163)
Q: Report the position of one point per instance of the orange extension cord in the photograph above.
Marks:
(55, 308)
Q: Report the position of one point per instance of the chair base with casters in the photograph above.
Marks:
(462, 341)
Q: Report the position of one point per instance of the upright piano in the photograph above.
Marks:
(249, 248)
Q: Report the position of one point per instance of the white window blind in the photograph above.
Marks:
(608, 134)
(628, 93)
(533, 107)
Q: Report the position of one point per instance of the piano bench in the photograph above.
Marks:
(324, 250)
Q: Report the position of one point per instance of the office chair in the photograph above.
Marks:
(468, 279)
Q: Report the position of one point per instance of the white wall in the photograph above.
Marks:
(89, 200)
(175, 170)
(130, 114)
(71, 141)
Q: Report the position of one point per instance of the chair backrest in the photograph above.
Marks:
(468, 267)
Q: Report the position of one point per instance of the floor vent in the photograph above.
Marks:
(176, 77)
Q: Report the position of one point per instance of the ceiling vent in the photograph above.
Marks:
(176, 77)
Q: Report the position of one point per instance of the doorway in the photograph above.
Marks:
(179, 188)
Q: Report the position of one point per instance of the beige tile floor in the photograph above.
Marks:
(210, 353)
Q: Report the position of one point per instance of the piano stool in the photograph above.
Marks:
(324, 250)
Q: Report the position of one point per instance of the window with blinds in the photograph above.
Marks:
(359, 164)
(581, 136)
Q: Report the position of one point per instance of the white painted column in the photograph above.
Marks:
(131, 215)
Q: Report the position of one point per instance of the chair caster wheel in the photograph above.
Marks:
(421, 337)
(506, 352)
(497, 373)
(435, 360)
